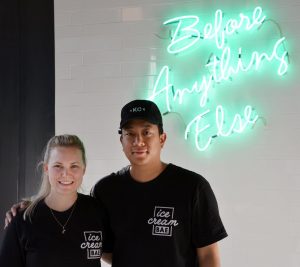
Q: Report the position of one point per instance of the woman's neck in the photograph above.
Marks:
(60, 202)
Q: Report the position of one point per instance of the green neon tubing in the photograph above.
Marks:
(238, 125)
(226, 71)
(192, 33)
(215, 31)
(199, 130)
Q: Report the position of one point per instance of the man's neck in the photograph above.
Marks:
(147, 173)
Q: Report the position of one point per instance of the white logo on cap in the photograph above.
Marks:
(137, 109)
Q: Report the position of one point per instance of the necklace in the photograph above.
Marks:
(63, 226)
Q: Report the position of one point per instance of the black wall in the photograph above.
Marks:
(27, 95)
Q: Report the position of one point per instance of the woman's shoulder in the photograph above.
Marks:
(18, 221)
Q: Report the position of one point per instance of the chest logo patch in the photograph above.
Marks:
(92, 244)
(163, 221)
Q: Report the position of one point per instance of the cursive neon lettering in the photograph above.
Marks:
(239, 123)
(223, 64)
(186, 37)
(187, 33)
(198, 132)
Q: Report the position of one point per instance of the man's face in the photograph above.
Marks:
(142, 142)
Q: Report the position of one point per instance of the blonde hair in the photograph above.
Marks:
(65, 140)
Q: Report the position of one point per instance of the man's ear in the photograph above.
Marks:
(162, 139)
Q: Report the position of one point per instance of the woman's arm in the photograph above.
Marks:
(11, 251)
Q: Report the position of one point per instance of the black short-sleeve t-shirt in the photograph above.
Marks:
(41, 243)
(161, 222)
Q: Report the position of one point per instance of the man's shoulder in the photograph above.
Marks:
(86, 199)
(108, 183)
(111, 178)
(187, 175)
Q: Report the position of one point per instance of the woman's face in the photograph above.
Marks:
(65, 170)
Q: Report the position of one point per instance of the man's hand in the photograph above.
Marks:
(14, 210)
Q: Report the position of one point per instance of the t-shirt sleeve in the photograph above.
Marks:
(108, 241)
(207, 226)
(11, 251)
(94, 191)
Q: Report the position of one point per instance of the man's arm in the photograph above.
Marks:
(209, 256)
(107, 257)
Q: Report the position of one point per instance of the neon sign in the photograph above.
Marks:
(224, 63)
(238, 125)
(210, 30)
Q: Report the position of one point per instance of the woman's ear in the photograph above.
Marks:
(46, 168)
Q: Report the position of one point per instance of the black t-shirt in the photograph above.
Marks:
(159, 223)
(40, 243)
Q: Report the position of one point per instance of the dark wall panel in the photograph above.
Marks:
(27, 94)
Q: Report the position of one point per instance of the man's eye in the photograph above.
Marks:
(56, 166)
(74, 166)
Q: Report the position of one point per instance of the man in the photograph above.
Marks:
(160, 214)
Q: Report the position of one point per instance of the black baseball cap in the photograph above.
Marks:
(141, 109)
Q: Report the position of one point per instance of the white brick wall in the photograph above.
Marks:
(107, 53)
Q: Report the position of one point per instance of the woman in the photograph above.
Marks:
(60, 227)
